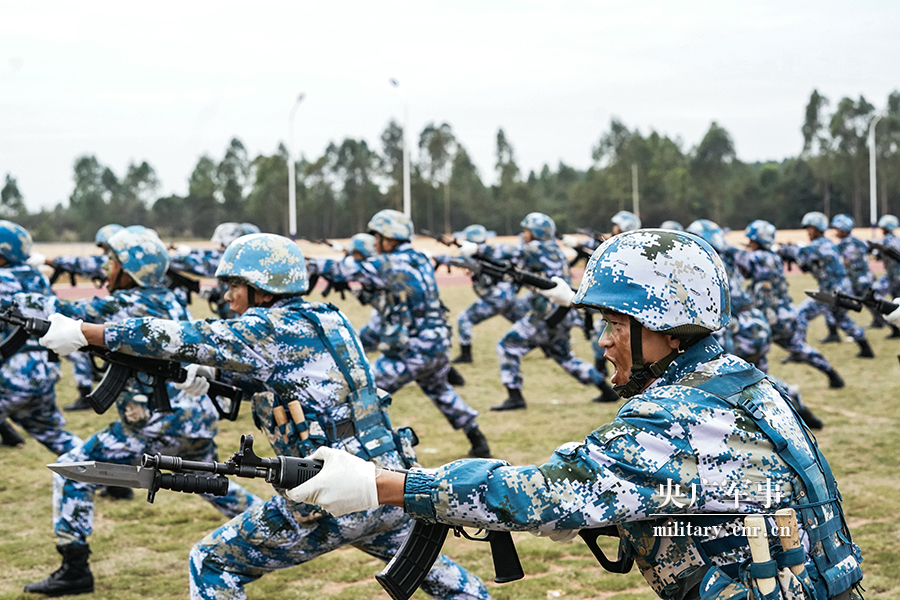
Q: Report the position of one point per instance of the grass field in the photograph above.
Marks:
(140, 550)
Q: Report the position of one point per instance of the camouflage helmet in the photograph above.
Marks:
(889, 222)
(761, 232)
(672, 225)
(541, 226)
(225, 233)
(477, 234)
(816, 220)
(364, 243)
(842, 222)
(142, 255)
(668, 281)
(106, 232)
(391, 224)
(15, 242)
(709, 231)
(627, 221)
(266, 261)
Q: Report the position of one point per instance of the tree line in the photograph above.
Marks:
(338, 191)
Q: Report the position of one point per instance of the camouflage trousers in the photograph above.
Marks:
(753, 338)
(791, 335)
(525, 336)
(809, 309)
(73, 501)
(81, 369)
(430, 373)
(512, 309)
(281, 534)
(41, 418)
(370, 334)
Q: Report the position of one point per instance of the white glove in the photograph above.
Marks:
(562, 294)
(894, 317)
(64, 336)
(570, 240)
(557, 535)
(182, 250)
(197, 381)
(346, 484)
(337, 246)
(36, 259)
(468, 249)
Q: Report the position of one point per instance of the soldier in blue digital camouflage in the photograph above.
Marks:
(204, 262)
(361, 247)
(311, 386)
(415, 336)
(821, 258)
(28, 377)
(539, 253)
(768, 287)
(494, 297)
(888, 285)
(704, 439)
(136, 268)
(855, 254)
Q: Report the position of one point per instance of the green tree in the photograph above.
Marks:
(817, 146)
(267, 202)
(231, 175)
(709, 166)
(437, 144)
(201, 199)
(354, 166)
(12, 205)
(849, 129)
(509, 191)
(392, 161)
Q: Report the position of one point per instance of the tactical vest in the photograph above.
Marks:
(362, 426)
(833, 567)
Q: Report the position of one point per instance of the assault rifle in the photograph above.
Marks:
(178, 280)
(854, 303)
(97, 277)
(884, 250)
(120, 369)
(342, 287)
(582, 252)
(400, 578)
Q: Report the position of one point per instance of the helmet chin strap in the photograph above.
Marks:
(641, 374)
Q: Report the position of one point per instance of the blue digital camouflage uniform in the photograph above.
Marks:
(855, 256)
(415, 337)
(768, 288)
(286, 355)
(203, 263)
(543, 258)
(701, 439)
(188, 431)
(494, 297)
(28, 377)
(821, 258)
(888, 285)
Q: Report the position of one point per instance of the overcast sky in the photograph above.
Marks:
(167, 82)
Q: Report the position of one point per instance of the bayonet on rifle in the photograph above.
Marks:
(854, 303)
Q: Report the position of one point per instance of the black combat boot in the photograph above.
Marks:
(454, 377)
(602, 365)
(9, 436)
(73, 577)
(81, 402)
(834, 380)
(832, 337)
(811, 420)
(607, 393)
(465, 355)
(514, 402)
(865, 350)
(895, 333)
(479, 447)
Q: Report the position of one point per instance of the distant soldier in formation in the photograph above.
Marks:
(888, 285)
(822, 258)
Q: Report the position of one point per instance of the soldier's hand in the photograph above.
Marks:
(468, 249)
(562, 294)
(570, 240)
(894, 317)
(36, 259)
(346, 484)
(197, 381)
(64, 336)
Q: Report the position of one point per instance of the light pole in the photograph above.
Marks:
(292, 177)
(873, 188)
(407, 204)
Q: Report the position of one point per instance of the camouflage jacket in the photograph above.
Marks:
(822, 259)
(198, 262)
(855, 254)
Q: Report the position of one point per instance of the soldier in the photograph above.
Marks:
(28, 377)
(704, 440)
(888, 285)
(769, 289)
(822, 259)
(204, 262)
(312, 387)
(415, 337)
(540, 254)
(136, 265)
(361, 247)
(494, 297)
(855, 254)
(672, 225)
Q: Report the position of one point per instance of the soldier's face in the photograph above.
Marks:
(616, 340)
(237, 297)
(527, 236)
